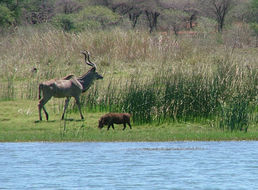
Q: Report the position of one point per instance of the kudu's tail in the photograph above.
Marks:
(40, 88)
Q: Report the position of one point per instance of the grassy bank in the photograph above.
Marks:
(18, 123)
(198, 87)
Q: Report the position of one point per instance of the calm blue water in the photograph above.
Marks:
(162, 165)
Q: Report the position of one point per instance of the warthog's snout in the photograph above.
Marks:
(100, 124)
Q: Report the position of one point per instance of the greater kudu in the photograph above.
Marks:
(69, 86)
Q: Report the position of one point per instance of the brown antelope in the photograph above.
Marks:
(69, 86)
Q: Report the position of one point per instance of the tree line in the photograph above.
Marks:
(171, 15)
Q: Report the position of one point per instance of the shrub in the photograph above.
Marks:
(66, 22)
(92, 17)
(7, 17)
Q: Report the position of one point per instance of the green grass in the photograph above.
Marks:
(163, 80)
(19, 123)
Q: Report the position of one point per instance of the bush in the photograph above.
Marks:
(100, 14)
(238, 36)
(254, 27)
(92, 17)
(66, 22)
(174, 20)
(7, 17)
(206, 25)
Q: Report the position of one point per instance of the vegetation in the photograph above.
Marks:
(189, 73)
(18, 125)
(95, 17)
(105, 13)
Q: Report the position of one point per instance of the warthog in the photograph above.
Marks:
(117, 118)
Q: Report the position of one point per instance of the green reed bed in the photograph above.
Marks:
(222, 90)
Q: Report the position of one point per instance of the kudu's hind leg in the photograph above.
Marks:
(65, 107)
(40, 116)
(41, 104)
(79, 106)
(45, 111)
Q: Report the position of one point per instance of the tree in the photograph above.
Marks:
(134, 16)
(192, 15)
(130, 8)
(152, 12)
(152, 17)
(135, 8)
(174, 19)
(217, 9)
(39, 11)
(68, 6)
(6, 16)
(190, 7)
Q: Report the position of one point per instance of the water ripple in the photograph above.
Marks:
(125, 166)
(167, 149)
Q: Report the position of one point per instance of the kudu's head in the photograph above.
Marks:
(93, 71)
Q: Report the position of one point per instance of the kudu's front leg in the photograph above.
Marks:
(77, 99)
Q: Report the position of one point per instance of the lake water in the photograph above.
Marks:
(139, 165)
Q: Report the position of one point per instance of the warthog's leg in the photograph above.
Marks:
(111, 125)
(65, 106)
(129, 124)
(124, 126)
(79, 105)
(41, 104)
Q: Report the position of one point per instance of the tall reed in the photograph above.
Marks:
(7, 90)
(185, 94)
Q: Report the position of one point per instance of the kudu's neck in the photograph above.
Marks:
(87, 79)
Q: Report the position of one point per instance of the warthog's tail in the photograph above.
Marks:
(40, 88)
